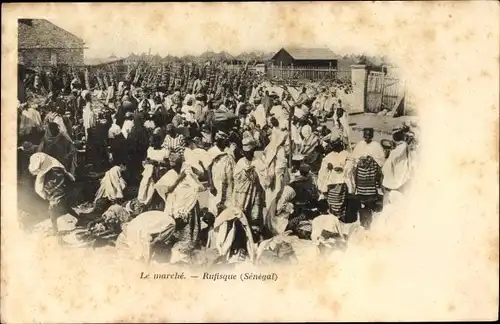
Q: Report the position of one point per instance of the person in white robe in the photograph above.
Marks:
(221, 168)
(89, 117)
(331, 179)
(369, 147)
(397, 168)
(272, 166)
(112, 185)
(259, 113)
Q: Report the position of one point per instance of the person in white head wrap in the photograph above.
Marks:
(140, 234)
(52, 183)
(112, 185)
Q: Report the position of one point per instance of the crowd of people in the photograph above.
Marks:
(228, 164)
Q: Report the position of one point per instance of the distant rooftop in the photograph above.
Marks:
(310, 53)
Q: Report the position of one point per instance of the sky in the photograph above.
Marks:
(192, 28)
(180, 29)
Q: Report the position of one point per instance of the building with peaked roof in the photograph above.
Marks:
(42, 44)
(319, 57)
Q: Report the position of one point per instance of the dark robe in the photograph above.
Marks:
(97, 143)
(118, 149)
(137, 147)
(61, 148)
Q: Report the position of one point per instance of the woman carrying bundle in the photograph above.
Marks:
(52, 183)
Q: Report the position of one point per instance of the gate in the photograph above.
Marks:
(383, 92)
(374, 92)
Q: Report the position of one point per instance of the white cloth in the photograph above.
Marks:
(60, 122)
(30, 118)
(222, 172)
(284, 208)
(224, 234)
(280, 114)
(299, 112)
(89, 118)
(110, 94)
(260, 115)
(396, 169)
(194, 157)
(135, 239)
(112, 185)
(146, 186)
(114, 130)
(40, 164)
(127, 127)
(328, 177)
(187, 98)
(374, 149)
(328, 223)
(183, 198)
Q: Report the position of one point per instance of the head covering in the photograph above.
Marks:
(306, 131)
(170, 127)
(40, 164)
(221, 135)
(248, 144)
(112, 185)
(304, 168)
(114, 130)
(297, 157)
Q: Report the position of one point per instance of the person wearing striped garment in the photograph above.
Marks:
(173, 141)
(366, 176)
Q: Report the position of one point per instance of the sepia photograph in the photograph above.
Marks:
(235, 158)
(219, 157)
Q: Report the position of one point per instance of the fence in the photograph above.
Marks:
(313, 73)
(384, 92)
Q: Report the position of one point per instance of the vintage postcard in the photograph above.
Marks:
(207, 162)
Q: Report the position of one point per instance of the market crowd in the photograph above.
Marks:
(228, 163)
